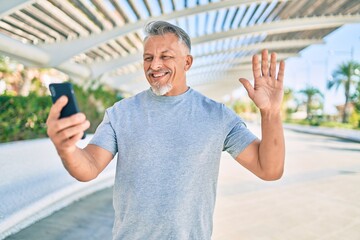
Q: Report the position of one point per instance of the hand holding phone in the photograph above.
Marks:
(60, 89)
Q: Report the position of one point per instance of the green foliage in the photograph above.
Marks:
(347, 75)
(25, 117)
(355, 117)
(313, 102)
(93, 103)
(320, 123)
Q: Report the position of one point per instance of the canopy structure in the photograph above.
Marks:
(102, 39)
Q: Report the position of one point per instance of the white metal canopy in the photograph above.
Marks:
(102, 39)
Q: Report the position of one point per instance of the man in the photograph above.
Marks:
(169, 140)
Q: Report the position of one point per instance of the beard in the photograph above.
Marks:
(161, 90)
(158, 88)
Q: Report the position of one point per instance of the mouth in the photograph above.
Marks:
(158, 75)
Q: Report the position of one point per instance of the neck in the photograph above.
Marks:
(177, 90)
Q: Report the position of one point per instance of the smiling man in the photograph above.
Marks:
(166, 60)
(169, 141)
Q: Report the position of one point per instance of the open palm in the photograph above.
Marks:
(267, 92)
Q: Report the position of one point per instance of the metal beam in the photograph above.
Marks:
(282, 26)
(77, 46)
(19, 50)
(274, 45)
(100, 68)
(271, 28)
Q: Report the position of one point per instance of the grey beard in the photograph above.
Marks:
(162, 90)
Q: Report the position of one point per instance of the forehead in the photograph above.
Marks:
(161, 43)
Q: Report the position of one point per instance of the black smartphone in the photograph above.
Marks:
(59, 89)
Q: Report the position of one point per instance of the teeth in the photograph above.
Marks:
(159, 74)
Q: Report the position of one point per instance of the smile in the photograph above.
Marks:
(158, 74)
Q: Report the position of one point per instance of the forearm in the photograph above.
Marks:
(272, 145)
(80, 164)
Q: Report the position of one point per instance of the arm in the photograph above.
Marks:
(83, 164)
(265, 158)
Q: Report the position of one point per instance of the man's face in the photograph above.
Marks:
(166, 61)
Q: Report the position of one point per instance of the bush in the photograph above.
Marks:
(25, 117)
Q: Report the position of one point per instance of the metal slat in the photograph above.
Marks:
(275, 12)
(119, 49)
(64, 18)
(146, 3)
(116, 20)
(97, 14)
(18, 32)
(120, 11)
(312, 8)
(41, 17)
(27, 29)
(88, 13)
(77, 15)
(134, 9)
(41, 27)
(103, 10)
(352, 7)
(162, 11)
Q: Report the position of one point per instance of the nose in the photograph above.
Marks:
(156, 63)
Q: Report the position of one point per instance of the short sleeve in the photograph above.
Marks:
(105, 136)
(238, 136)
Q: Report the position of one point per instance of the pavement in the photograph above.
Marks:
(34, 183)
(317, 198)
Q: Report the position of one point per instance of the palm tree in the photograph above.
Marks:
(347, 74)
(311, 93)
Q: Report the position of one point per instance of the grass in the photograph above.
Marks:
(319, 123)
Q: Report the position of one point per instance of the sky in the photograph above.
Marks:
(316, 63)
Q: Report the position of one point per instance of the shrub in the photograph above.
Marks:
(25, 117)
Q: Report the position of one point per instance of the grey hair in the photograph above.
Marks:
(160, 28)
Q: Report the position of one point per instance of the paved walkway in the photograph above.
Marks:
(34, 183)
(318, 198)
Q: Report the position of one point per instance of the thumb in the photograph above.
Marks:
(55, 110)
(247, 85)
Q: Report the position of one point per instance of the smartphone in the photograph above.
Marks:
(59, 89)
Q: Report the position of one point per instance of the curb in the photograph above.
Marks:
(346, 134)
(52, 203)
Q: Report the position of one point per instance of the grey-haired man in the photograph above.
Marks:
(169, 140)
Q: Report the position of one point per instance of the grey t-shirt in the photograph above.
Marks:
(169, 151)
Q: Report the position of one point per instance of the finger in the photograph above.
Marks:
(58, 125)
(56, 108)
(256, 67)
(70, 132)
(273, 66)
(73, 140)
(264, 63)
(72, 120)
(248, 87)
(281, 72)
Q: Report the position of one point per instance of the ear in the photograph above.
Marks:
(188, 62)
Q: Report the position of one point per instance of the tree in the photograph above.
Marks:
(311, 94)
(346, 75)
(22, 81)
(356, 99)
(288, 96)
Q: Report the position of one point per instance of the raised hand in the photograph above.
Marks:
(267, 92)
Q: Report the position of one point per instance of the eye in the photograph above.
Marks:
(148, 59)
(166, 57)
